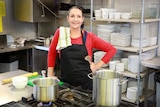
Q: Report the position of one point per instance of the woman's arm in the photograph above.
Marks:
(52, 54)
(95, 42)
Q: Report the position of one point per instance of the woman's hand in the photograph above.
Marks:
(93, 67)
(51, 72)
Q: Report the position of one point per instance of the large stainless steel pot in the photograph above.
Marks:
(46, 89)
(106, 87)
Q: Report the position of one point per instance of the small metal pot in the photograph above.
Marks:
(46, 89)
(106, 87)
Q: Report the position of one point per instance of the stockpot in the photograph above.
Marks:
(46, 89)
(106, 87)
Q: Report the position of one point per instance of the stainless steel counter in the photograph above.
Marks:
(44, 48)
(8, 49)
(8, 92)
(152, 63)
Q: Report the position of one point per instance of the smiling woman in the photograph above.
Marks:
(79, 44)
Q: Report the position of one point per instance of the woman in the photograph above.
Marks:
(74, 67)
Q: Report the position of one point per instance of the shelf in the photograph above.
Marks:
(127, 20)
(134, 75)
(152, 20)
(124, 98)
(118, 20)
(135, 49)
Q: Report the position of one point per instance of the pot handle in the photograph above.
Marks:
(90, 76)
(121, 82)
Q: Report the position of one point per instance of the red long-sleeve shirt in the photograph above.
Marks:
(92, 41)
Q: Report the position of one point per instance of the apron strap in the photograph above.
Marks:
(84, 36)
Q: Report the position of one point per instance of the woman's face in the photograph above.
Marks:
(75, 18)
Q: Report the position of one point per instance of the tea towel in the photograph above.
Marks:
(64, 39)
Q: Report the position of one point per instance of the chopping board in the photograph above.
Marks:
(9, 80)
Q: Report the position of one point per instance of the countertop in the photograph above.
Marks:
(8, 93)
(152, 63)
(44, 48)
(6, 48)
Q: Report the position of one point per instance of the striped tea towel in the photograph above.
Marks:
(64, 39)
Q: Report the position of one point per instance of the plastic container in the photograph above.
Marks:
(153, 10)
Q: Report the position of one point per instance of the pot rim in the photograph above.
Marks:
(119, 75)
(46, 78)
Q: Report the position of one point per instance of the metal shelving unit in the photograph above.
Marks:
(138, 50)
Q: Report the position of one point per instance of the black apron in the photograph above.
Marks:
(74, 68)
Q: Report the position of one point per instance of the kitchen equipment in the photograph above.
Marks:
(9, 80)
(132, 92)
(153, 10)
(106, 87)
(35, 10)
(21, 40)
(134, 64)
(112, 65)
(68, 97)
(6, 39)
(124, 86)
(120, 39)
(120, 67)
(125, 61)
(46, 89)
(117, 15)
(43, 72)
(19, 82)
(126, 15)
(98, 13)
(88, 58)
(104, 13)
(31, 79)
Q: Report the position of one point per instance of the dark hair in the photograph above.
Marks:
(76, 7)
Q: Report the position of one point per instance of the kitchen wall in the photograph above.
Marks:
(24, 29)
(14, 27)
(31, 30)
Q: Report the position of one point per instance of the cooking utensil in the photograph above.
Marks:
(9, 80)
(106, 87)
(43, 72)
(46, 89)
(88, 58)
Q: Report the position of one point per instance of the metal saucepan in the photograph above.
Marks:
(106, 87)
(46, 89)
